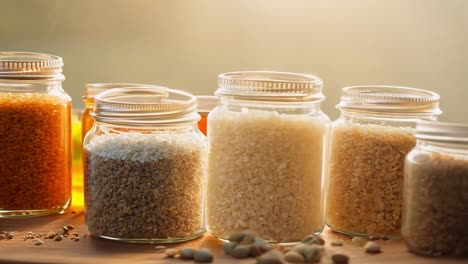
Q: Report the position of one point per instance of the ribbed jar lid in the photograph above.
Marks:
(145, 105)
(389, 99)
(206, 103)
(30, 65)
(92, 89)
(442, 131)
(270, 85)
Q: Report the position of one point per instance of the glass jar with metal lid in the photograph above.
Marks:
(145, 166)
(369, 143)
(35, 135)
(435, 200)
(267, 153)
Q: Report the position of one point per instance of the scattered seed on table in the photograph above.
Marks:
(70, 227)
(358, 241)
(338, 258)
(10, 235)
(228, 247)
(372, 247)
(254, 251)
(271, 257)
(170, 252)
(73, 212)
(38, 242)
(186, 253)
(236, 237)
(58, 238)
(266, 247)
(247, 239)
(160, 247)
(203, 256)
(2, 236)
(241, 251)
(50, 235)
(313, 254)
(294, 257)
(337, 243)
(76, 239)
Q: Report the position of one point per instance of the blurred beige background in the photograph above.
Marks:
(185, 44)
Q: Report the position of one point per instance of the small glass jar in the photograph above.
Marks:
(267, 152)
(145, 166)
(435, 200)
(369, 143)
(90, 91)
(205, 103)
(35, 135)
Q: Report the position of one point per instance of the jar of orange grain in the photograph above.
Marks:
(35, 135)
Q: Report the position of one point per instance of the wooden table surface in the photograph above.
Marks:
(93, 250)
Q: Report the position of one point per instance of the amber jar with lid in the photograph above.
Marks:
(35, 135)
(267, 154)
(435, 198)
(145, 166)
(369, 143)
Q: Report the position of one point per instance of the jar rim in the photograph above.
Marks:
(145, 105)
(270, 85)
(387, 99)
(30, 65)
(206, 103)
(93, 89)
(442, 131)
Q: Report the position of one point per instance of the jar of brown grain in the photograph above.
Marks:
(369, 143)
(35, 135)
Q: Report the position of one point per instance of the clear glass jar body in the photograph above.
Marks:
(367, 154)
(145, 184)
(266, 168)
(87, 121)
(35, 139)
(435, 200)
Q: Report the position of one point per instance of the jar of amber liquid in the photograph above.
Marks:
(205, 103)
(35, 135)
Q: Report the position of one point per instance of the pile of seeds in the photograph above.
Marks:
(201, 255)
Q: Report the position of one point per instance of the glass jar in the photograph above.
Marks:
(435, 200)
(369, 143)
(35, 135)
(205, 103)
(90, 91)
(267, 152)
(145, 166)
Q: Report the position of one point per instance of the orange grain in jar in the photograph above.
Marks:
(35, 136)
(205, 103)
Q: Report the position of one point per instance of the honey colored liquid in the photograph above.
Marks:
(202, 123)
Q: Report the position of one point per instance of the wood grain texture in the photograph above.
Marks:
(94, 250)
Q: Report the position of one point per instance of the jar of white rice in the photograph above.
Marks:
(267, 153)
(369, 143)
